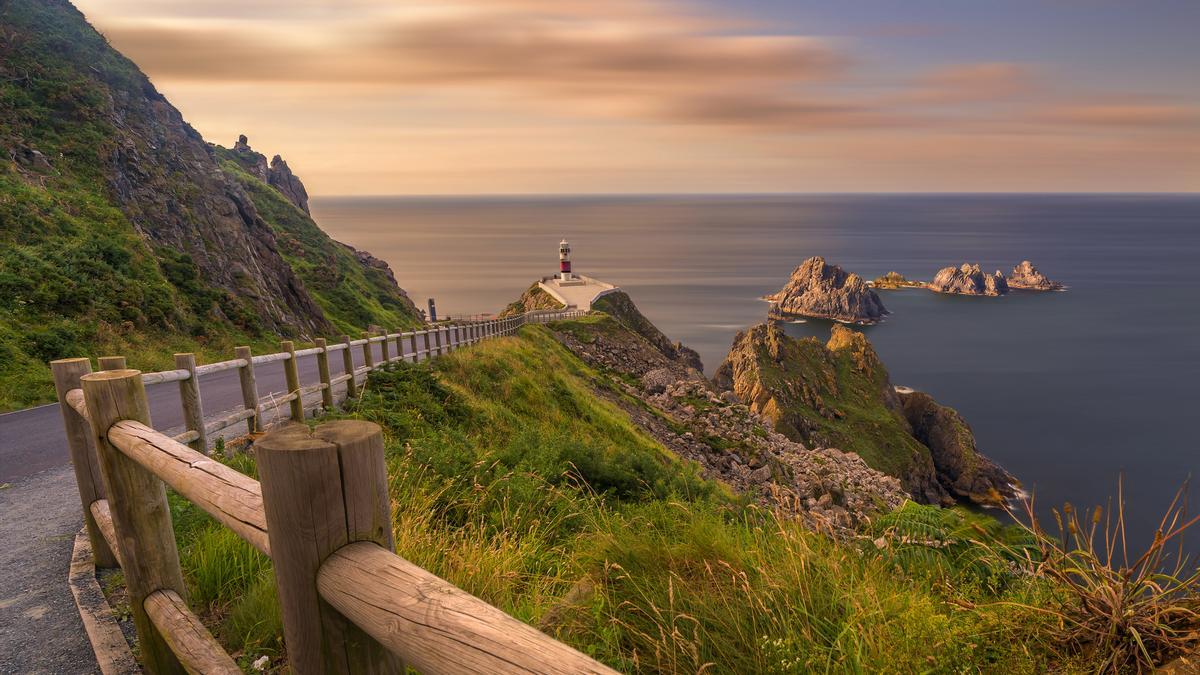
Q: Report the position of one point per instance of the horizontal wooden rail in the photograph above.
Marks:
(165, 376)
(271, 358)
(219, 367)
(75, 400)
(104, 522)
(186, 437)
(311, 351)
(231, 497)
(434, 626)
(197, 650)
(228, 420)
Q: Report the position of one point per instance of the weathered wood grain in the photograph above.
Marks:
(196, 648)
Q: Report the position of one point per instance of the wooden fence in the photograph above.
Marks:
(321, 513)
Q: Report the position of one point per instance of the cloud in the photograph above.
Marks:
(1125, 114)
(973, 82)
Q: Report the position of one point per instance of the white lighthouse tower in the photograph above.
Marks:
(564, 261)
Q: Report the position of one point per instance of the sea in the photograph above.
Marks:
(1083, 394)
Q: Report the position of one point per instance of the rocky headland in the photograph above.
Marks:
(666, 396)
(968, 280)
(839, 394)
(1027, 277)
(820, 290)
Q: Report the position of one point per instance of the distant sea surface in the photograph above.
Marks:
(1066, 390)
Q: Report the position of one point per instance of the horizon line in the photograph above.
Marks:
(963, 193)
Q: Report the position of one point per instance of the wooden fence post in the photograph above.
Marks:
(348, 364)
(137, 500)
(384, 352)
(82, 447)
(291, 375)
(415, 349)
(189, 396)
(428, 352)
(368, 355)
(322, 489)
(437, 339)
(249, 388)
(323, 372)
(111, 362)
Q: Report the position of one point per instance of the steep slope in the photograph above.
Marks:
(118, 227)
(839, 394)
(352, 287)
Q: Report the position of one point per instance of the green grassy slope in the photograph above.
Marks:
(351, 295)
(510, 477)
(76, 278)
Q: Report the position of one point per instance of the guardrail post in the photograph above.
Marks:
(291, 375)
(323, 372)
(249, 387)
(348, 364)
(413, 339)
(111, 362)
(399, 345)
(189, 396)
(322, 489)
(437, 338)
(83, 453)
(428, 352)
(383, 348)
(368, 355)
(137, 500)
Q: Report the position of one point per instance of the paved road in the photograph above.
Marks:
(40, 629)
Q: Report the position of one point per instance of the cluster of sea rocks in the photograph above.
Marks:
(817, 289)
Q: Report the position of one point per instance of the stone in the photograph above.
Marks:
(817, 289)
(968, 280)
(1027, 277)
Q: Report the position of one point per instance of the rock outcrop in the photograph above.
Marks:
(533, 299)
(894, 280)
(280, 177)
(839, 394)
(1027, 277)
(968, 280)
(961, 468)
(621, 308)
(730, 442)
(824, 291)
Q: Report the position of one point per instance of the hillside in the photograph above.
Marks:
(530, 471)
(123, 231)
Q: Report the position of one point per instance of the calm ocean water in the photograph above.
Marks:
(1066, 390)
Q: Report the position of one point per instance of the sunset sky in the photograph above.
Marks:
(574, 96)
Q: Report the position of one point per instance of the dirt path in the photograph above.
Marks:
(40, 629)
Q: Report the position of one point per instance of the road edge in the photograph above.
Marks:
(112, 651)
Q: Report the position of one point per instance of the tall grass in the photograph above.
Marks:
(1126, 612)
(513, 480)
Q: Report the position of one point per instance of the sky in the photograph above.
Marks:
(382, 97)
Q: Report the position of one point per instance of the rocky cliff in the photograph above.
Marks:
(621, 308)
(121, 212)
(968, 280)
(672, 401)
(1026, 276)
(839, 395)
(824, 291)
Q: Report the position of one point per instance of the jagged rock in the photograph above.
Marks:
(371, 262)
(280, 177)
(820, 290)
(965, 472)
(1027, 277)
(255, 163)
(968, 280)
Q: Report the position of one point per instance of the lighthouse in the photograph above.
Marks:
(564, 260)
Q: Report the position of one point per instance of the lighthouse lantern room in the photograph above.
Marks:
(564, 261)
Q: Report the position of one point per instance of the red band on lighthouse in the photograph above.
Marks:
(565, 266)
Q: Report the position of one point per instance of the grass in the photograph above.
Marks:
(512, 479)
(76, 277)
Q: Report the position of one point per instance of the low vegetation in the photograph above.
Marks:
(513, 480)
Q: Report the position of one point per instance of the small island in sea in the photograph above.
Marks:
(1027, 277)
(968, 280)
(820, 290)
